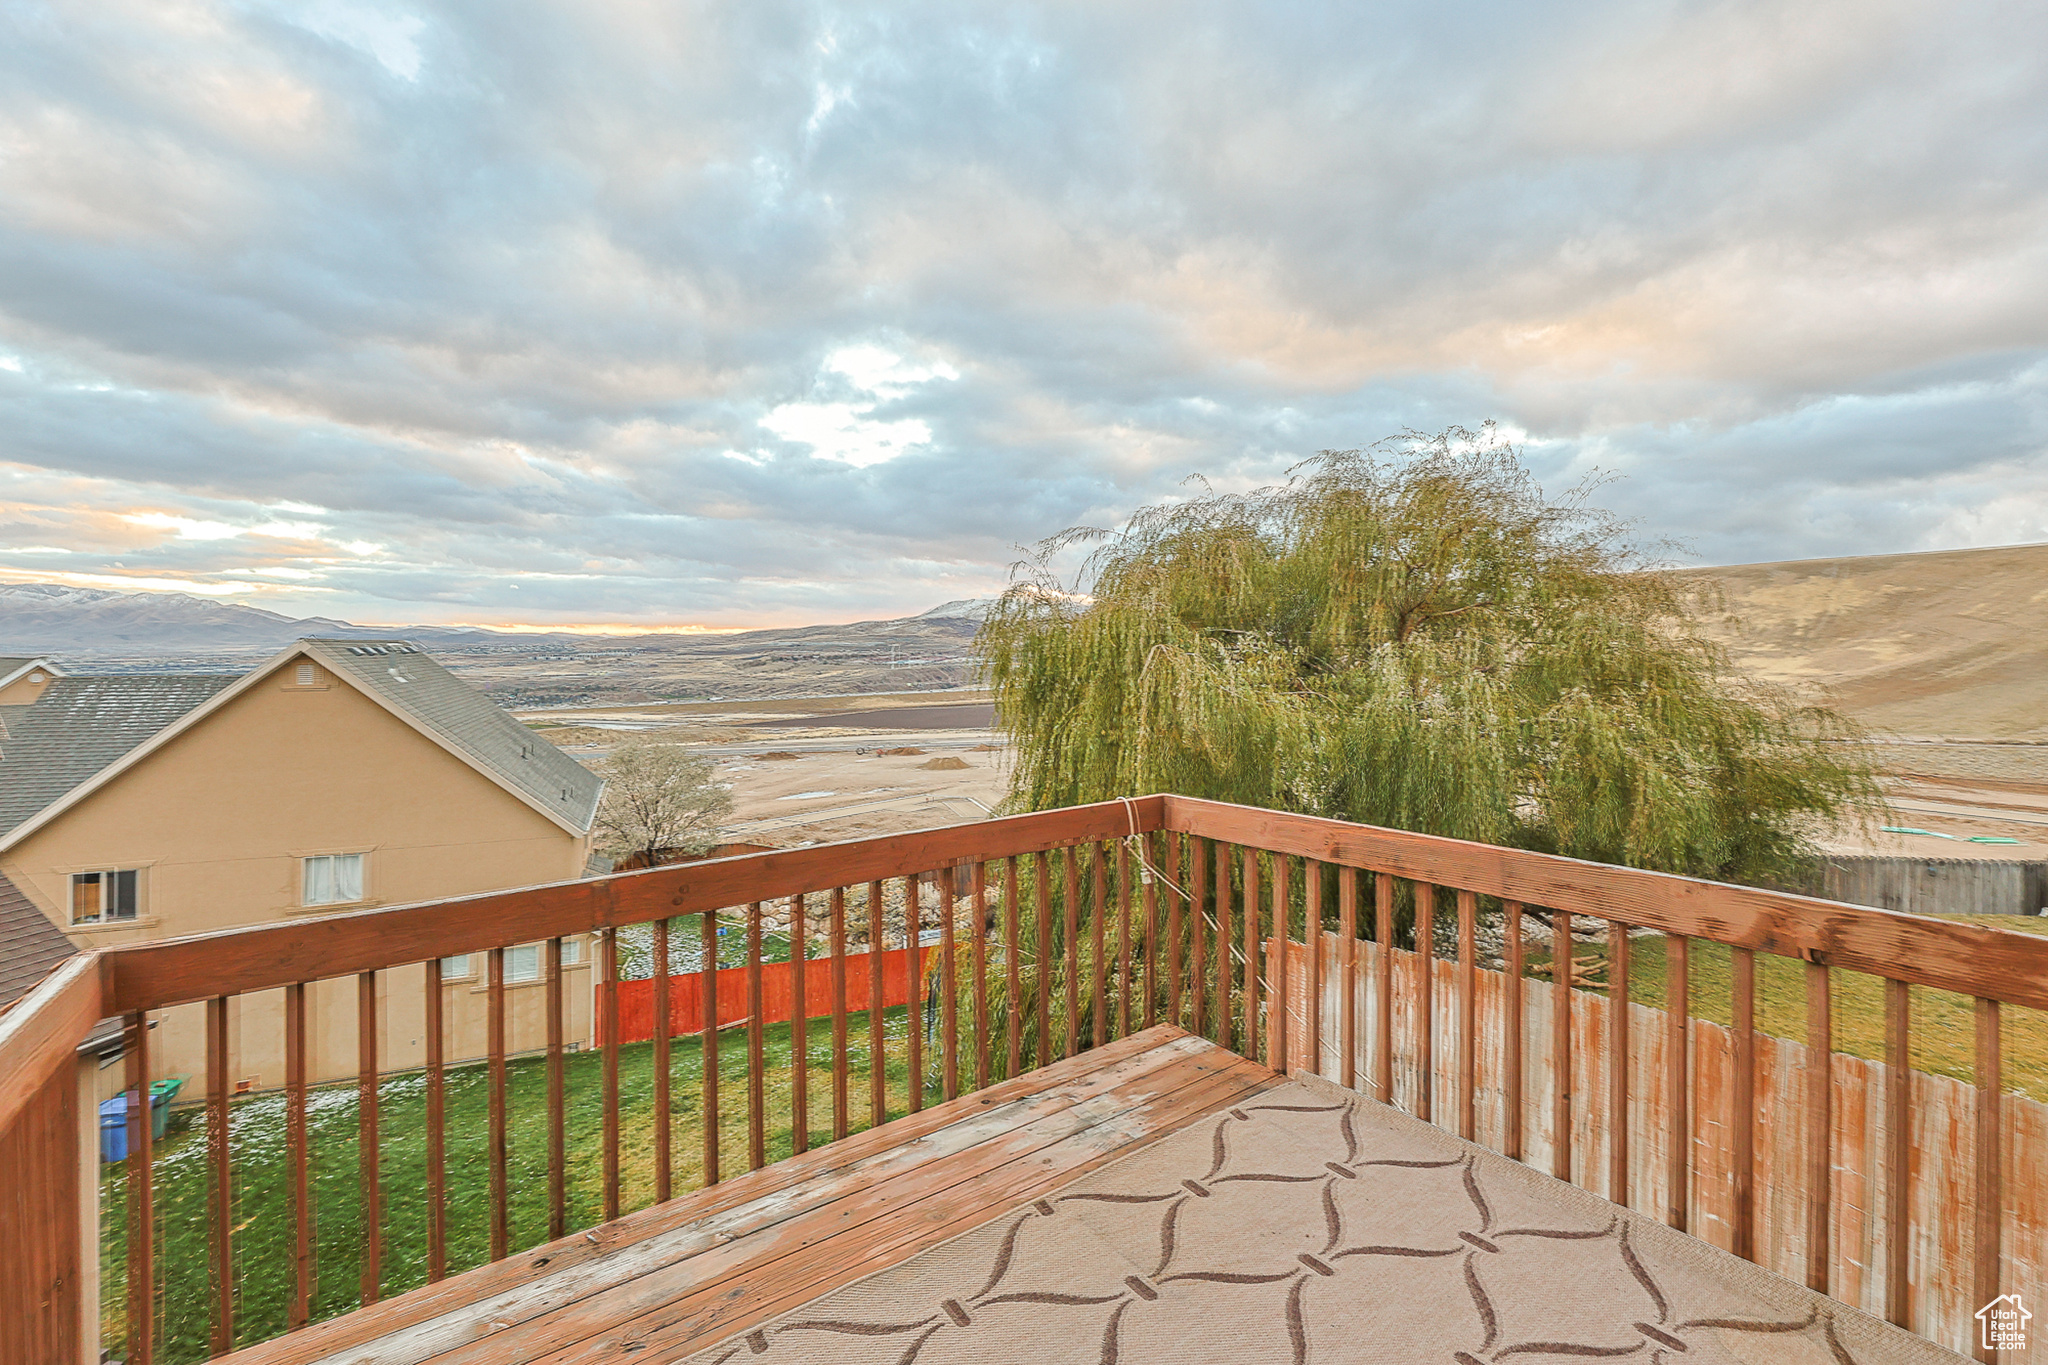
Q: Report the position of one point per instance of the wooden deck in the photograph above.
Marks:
(660, 1283)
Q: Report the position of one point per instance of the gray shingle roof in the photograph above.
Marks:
(29, 944)
(466, 719)
(80, 725)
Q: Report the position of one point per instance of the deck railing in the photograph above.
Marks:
(1405, 965)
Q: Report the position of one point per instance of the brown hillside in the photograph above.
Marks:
(1951, 642)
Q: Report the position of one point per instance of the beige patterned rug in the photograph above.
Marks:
(1314, 1225)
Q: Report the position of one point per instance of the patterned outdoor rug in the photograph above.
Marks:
(1315, 1225)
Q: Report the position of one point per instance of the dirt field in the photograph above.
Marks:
(1948, 644)
(812, 771)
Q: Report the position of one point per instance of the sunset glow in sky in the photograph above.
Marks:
(759, 313)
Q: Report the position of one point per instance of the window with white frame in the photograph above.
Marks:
(331, 879)
(525, 962)
(98, 897)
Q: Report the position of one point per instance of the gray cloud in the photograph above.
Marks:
(739, 313)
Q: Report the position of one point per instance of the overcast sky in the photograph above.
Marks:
(761, 313)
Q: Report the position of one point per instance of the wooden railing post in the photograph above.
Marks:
(50, 1172)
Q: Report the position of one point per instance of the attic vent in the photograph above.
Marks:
(305, 675)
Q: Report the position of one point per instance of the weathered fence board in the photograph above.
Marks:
(1940, 1188)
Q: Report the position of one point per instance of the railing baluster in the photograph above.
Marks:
(141, 1196)
(1678, 1078)
(1425, 998)
(1347, 1006)
(1468, 1014)
(707, 977)
(1071, 946)
(367, 1165)
(1173, 949)
(1898, 1082)
(1820, 1124)
(878, 1075)
(1125, 990)
(913, 957)
(977, 887)
(1383, 1006)
(1041, 867)
(1220, 1007)
(501, 1177)
(1511, 1035)
(608, 966)
(949, 1002)
(1098, 940)
(1198, 973)
(1742, 1121)
(1312, 987)
(1561, 1044)
(1990, 1170)
(663, 1026)
(437, 1126)
(1278, 1051)
(221, 1161)
(1013, 971)
(1148, 901)
(799, 1027)
(558, 1099)
(1254, 953)
(296, 1138)
(841, 1064)
(757, 1098)
(1617, 1062)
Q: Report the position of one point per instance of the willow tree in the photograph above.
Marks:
(1413, 635)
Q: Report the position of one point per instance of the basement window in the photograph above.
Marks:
(98, 897)
(331, 879)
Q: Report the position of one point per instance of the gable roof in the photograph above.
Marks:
(29, 944)
(81, 726)
(82, 732)
(13, 666)
(466, 722)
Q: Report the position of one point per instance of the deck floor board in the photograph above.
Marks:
(717, 1261)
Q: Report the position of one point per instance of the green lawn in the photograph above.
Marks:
(1943, 1026)
(262, 1217)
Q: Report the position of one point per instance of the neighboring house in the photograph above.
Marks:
(337, 776)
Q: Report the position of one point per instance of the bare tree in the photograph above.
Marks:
(659, 800)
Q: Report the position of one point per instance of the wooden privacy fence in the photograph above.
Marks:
(1941, 1136)
(1938, 886)
(865, 978)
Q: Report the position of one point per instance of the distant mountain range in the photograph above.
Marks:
(49, 618)
(104, 630)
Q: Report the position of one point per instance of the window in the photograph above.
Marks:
(332, 879)
(97, 897)
(307, 677)
(525, 962)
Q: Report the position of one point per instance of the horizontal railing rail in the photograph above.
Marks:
(236, 961)
(436, 1112)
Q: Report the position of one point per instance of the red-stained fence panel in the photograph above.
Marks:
(686, 994)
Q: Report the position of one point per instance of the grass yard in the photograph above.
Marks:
(263, 1215)
(1943, 1024)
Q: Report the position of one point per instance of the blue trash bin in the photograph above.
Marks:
(114, 1128)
